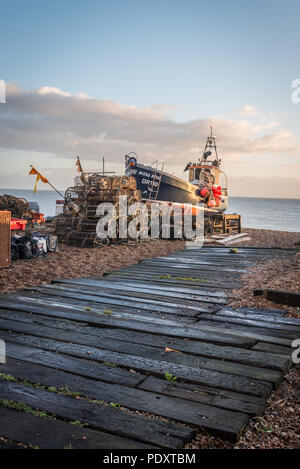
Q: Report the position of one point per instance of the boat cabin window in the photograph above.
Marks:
(197, 173)
(191, 174)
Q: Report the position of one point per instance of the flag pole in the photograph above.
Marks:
(57, 191)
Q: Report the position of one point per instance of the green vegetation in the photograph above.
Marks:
(20, 406)
(7, 377)
(170, 377)
(98, 401)
(189, 279)
(79, 424)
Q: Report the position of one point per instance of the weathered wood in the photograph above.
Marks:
(26, 301)
(148, 320)
(283, 297)
(142, 347)
(142, 326)
(237, 330)
(47, 433)
(225, 423)
(140, 304)
(159, 278)
(273, 312)
(143, 287)
(100, 417)
(136, 293)
(268, 318)
(216, 397)
(191, 267)
(203, 376)
(116, 298)
(286, 329)
(152, 270)
(146, 351)
(96, 371)
(272, 348)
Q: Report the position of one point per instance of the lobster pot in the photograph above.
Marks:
(5, 239)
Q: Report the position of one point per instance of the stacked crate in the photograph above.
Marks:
(5, 255)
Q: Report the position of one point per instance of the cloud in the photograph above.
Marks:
(249, 110)
(62, 125)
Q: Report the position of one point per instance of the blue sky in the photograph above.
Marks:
(202, 59)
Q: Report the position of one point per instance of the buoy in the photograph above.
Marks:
(204, 192)
(211, 203)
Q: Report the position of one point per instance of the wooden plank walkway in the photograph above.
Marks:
(142, 357)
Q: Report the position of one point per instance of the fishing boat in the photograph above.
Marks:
(207, 183)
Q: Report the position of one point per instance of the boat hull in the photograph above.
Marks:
(171, 188)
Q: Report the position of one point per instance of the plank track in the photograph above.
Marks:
(157, 338)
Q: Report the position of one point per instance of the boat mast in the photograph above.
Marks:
(210, 146)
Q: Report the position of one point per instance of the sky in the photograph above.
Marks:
(106, 77)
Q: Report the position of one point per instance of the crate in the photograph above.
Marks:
(5, 248)
(232, 223)
(17, 224)
(221, 223)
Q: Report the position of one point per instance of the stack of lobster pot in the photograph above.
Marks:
(77, 225)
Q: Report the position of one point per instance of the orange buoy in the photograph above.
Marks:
(211, 203)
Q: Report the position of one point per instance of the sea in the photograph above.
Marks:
(263, 213)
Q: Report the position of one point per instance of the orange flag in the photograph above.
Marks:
(78, 164)
(38, 177)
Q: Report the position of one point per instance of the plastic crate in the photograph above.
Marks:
(17, 224)
(5, 248)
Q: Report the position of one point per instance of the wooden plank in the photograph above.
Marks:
(54, 434)
(184, 272)
(136, 293)
(273, 312)
(225, 423)
(193, 267)
(162, 341)
(273, 349)
(96, 371)
(156, 353)
(140, 286)
(237, 330)
(192, 260)
(139, 346)
(238, 402)
(106, 321)
(100, 417)
(98, 310)
(141, 304)
(283, 297)
(159, 367)
(268, 318)
(287, 330)
(151, 302)
(157, 278)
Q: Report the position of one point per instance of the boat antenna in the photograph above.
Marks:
(210, 146)
(103, 168)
